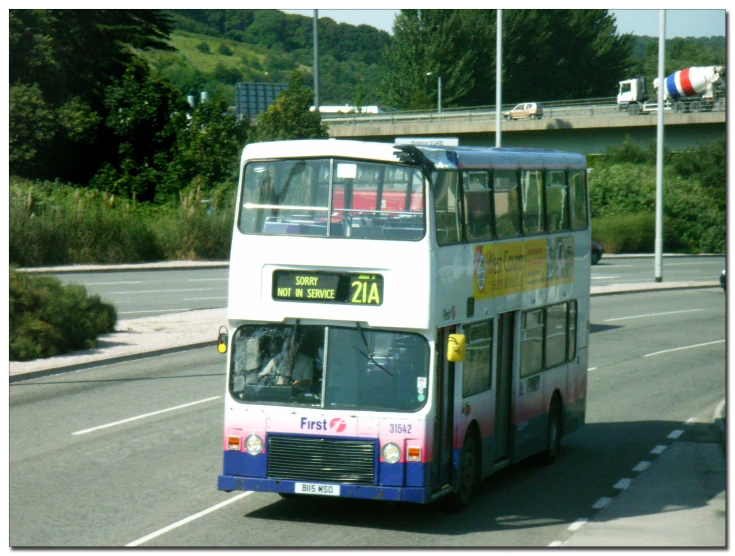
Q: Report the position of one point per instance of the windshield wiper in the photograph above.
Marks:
(368, 355)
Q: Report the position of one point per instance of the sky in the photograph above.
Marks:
(679, 23)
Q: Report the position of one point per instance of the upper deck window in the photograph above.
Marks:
(332, 198)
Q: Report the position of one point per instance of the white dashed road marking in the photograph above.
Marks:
(189, 519)
(577, 524)
(685, 347)
(642, 466)
(146, 415)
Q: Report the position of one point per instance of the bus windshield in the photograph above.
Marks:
(329, 367)
(332, 198)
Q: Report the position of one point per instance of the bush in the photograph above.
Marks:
(195, 231)
(623, 183)
(48, 318)
(203, 47)
(634, 233)
(55, 224)
(224, 50)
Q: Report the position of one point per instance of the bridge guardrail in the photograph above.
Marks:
(587, 108)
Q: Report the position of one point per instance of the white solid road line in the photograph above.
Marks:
(654, 315)
(113, 283)
(146, 415)
(685, 347)
(189, 519)
(163, 291)
(163, 311)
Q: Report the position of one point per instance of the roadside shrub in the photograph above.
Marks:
(623, 182)
(634, 233)
(48, 318)
(189, 234)
(54, 224)
(203, 47)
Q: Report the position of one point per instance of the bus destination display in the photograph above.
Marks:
(327, 287)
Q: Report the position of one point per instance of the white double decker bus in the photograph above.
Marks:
(403, 320)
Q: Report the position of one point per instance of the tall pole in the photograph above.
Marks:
(439, 95)
(316, 62)
(660, 148)
(498, 73)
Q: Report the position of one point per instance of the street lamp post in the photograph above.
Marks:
(439, 91)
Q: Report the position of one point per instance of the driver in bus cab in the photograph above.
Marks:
(289, 366)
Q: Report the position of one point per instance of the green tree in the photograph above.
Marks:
(547, 55)
(146, 113)
(69, 58)
(207, 149)
(290, 117)
(32, 126)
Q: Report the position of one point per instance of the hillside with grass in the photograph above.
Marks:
(214, 49)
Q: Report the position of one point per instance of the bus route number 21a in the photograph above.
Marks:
(365, 290)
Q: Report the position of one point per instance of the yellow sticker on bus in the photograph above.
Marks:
(515, 267)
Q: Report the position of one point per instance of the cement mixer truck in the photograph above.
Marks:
(695, 89)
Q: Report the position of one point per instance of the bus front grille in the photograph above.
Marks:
(321, 459)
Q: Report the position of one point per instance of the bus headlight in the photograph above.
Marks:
(391, 453)
(254, 444)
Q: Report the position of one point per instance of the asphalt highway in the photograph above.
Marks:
(160, 289)
(128, 454)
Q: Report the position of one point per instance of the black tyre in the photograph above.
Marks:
(469, 476)
(596, 256)
(634, 109)
(696, 106)
(553, 432)
(534, 116)
(679, 107)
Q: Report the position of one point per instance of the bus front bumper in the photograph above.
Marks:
(420, 495)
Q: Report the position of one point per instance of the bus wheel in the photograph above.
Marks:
(469, 473)
(553, 432)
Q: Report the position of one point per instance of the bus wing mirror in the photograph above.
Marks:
(222, 340)
(455, 348)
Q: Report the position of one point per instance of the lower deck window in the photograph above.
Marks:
(329, 367)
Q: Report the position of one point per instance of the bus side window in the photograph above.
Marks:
(477, 196)
(446, 205)
(532, 342)
(556, 335)
(572, 331)
(476, 370)
(557, 201)
(578, 198)
(533, 201)
(507, 205)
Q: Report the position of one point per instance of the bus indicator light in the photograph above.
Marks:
(233, 443)
(413, 453)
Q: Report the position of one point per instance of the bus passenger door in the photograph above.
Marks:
(503, 420)
(444, 422)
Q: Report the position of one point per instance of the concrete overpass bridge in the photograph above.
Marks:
(589, 129)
